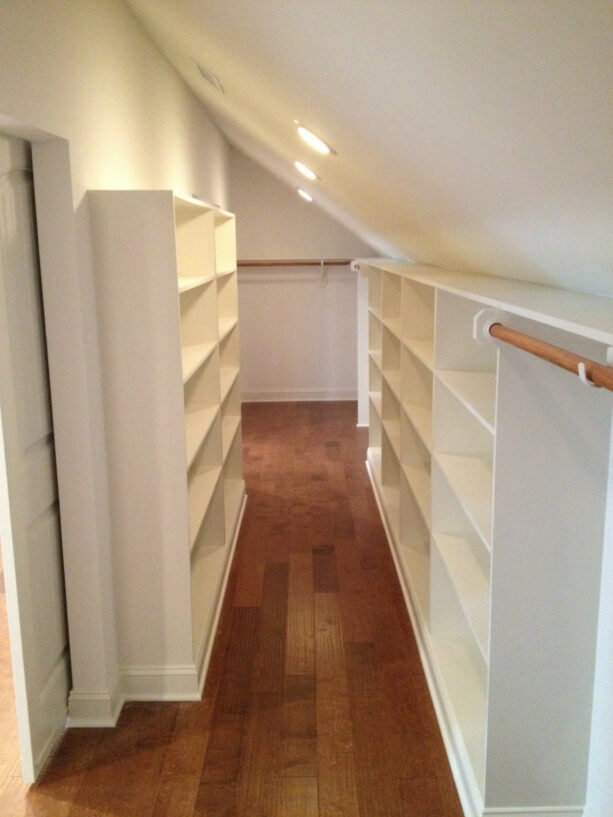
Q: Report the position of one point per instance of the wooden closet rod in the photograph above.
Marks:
(297, 262)
(584, 367)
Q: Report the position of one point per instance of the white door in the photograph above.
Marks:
(29, 512)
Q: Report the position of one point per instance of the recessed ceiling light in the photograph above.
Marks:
(304, 194)
(306, 171)
(312, 139)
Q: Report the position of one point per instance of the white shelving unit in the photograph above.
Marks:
(166, 282)
(491, 469)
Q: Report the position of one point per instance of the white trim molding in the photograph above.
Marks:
(298, 395)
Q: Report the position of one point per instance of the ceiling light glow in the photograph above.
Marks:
(306, 171)
(313, 141)
(304, 194)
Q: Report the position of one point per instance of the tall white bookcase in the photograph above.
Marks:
(491, 469)
(166, 286)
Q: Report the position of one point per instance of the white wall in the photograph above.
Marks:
(272, 221)
(86, 72)
(299, 330)
(298, 334)
(600, 778)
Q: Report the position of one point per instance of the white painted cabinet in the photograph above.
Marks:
(491, 470)
(166, 288)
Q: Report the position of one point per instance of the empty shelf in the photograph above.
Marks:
(421, 420)
(470, 583)
(192, 358)
(229, 427)
(226, 325)
(471, 481)
(197, 424)
(422, 349)
(187, 282)
(201, 490)
(476, 390)
(419, 482)
(227, 376)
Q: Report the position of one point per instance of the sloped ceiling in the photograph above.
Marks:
(474, 134)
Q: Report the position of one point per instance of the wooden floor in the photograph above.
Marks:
(315, 703)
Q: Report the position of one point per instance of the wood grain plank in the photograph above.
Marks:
(180, 774)
(298, 756)
(122, 777)
(421, 796)
(224, 749)
(215, 799)
(325, 579)
(362, 669)
(300, 634)
(239, 659)
(296, 797)
(338, 795)
(269, 661)
(256, 790)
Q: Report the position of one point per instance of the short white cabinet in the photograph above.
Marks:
(166, 285)
(491, 469)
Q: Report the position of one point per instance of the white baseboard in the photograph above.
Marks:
(154, 683)
(298, 395)
(536, 811)
(95, 708)
(166, 683)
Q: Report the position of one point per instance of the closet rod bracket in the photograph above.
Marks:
(482, 323)
(583, 376)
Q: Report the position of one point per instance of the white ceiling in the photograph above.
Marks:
(476, 134)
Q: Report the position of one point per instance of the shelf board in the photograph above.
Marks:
(227, 377)
(476, 391)
(203, 485)
(392, 429)
(375, 399)
(419, 483)
(471, 481)
(392, 378)
(198, 423)
(391, 501)
(377, 358)
(423, 350)
(464, 689)
(373, 456)
(470, 583)
(226, 325)
(392, 325)
(416, 566)
(190, 206)
(376, 313)
(223, 273)
(188, 282)
(192, 358)
(233, 490)
(229, 427)
(421, 420)
(580, 313)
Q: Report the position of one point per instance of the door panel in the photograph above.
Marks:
(29, 510)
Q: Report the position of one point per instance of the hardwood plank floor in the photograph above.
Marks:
(315, 703)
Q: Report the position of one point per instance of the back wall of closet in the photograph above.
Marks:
(298, 324)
